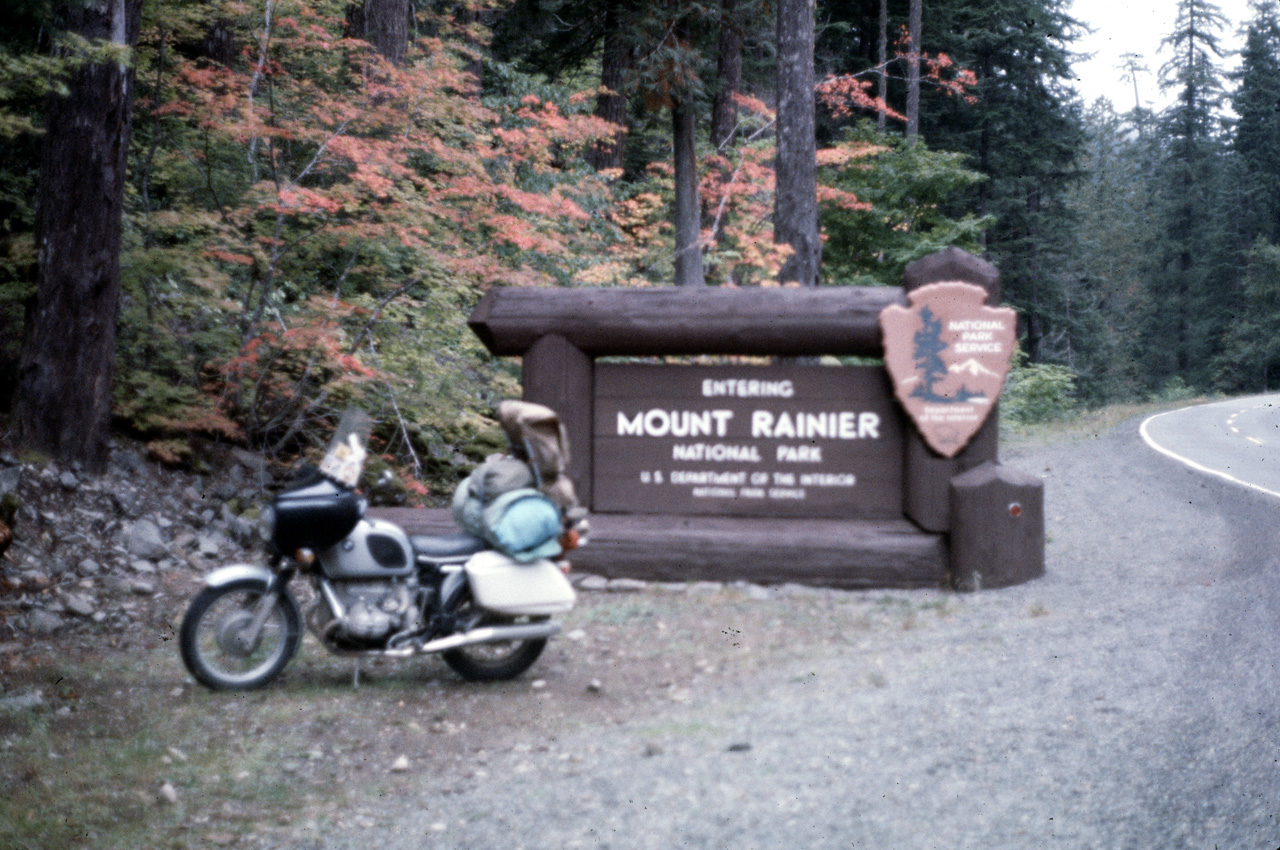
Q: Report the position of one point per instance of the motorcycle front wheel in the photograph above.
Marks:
(491, 662)
(213, 642)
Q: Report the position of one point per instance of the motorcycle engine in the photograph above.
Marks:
(375, 610)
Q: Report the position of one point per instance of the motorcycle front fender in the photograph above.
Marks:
(236, 572)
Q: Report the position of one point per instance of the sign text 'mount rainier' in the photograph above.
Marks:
(805, 441)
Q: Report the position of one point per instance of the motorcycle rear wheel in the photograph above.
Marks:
(491, 662)
(209, 641)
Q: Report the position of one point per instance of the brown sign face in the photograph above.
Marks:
(948, 355)
(789, 441)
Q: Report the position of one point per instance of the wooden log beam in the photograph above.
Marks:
(796, 322)
(847, 554)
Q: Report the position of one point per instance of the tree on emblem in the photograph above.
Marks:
(928, 356)
(929, 363)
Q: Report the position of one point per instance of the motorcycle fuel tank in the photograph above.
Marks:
(374, 549)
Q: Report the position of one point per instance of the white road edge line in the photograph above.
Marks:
(1146, 437)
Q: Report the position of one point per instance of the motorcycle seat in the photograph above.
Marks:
(446, 545)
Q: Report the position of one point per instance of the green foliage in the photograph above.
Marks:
(907, 188)
(1250, 357)
(1256, 140)
(1038, 392)
(1024, 133)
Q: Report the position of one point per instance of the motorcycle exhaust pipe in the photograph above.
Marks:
(492, 634)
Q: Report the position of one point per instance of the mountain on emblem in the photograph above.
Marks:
(971, 367)
(948, 354)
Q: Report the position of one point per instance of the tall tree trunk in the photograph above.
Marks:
(382, 23)
(724, 112)
(795, 217)
(688, 212)
(63, 401)
(915, 25)
(882, 62)
(615, 65)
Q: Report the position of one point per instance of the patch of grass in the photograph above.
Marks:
(1087, 424)
(87, 768)
(941, 607)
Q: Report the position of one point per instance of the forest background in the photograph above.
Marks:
(313, 194)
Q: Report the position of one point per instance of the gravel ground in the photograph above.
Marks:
(1125, 700)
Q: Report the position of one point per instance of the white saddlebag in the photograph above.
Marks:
(506, 586)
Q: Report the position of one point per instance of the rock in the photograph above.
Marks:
(400, 765)
(625, 585)
(41, 622)
(590, 582)
(254, 464)
(244, 531)
(167, 794)
(126, 504)
(10, 479)
(68, 481)
(209, 545)
(142, 567)
(21, 702)
(141, 587)
(128, 462)
(595, 686)
(575, 635)
(79, 604)
(143, 540)
(538, 684)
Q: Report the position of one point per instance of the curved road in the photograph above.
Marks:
(1237, 440)
(1127, 700)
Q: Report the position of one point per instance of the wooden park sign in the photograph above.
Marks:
(780, 471)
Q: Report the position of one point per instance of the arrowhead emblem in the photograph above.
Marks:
(948, 355)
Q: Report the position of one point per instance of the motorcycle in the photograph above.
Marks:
(380, 592)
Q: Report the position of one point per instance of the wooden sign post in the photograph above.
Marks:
(766, 473)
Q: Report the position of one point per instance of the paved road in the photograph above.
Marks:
(1128, 699)
(1237, 440)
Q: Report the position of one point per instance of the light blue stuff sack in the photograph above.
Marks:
(523, 524)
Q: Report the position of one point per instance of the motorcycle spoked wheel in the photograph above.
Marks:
(208, 640)
(491, 662)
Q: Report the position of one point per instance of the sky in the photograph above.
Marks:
(1137, 26)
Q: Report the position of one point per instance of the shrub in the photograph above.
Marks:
(1038, 392)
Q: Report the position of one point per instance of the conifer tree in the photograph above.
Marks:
(1256, 140)
(1188, 294)
(63, 401)
(1024, 133)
